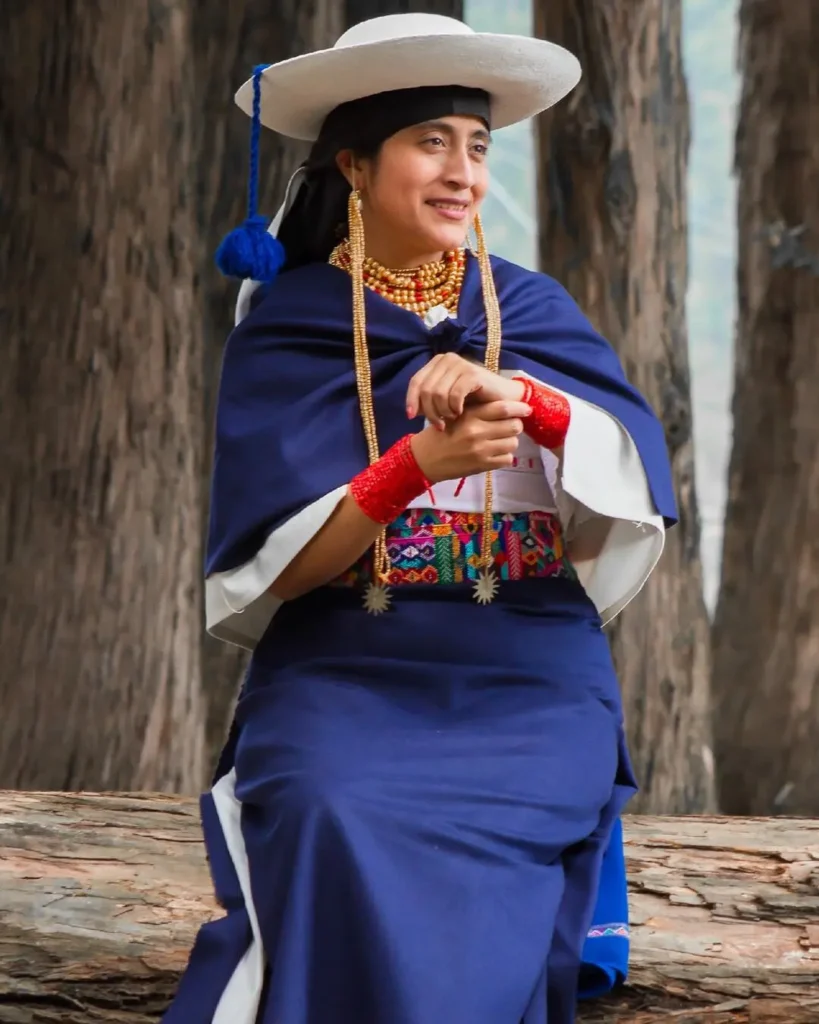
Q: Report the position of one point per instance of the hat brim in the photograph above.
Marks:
(523, 76)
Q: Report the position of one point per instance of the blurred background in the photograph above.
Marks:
(675, 194)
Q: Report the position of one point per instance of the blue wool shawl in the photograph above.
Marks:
(288, 427)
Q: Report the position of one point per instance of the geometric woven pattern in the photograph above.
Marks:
(433, 546)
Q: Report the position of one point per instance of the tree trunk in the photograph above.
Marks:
(100, 400)
(612, 213)
(359, 10)
(101, 896)
(766, 629)
(228, 41)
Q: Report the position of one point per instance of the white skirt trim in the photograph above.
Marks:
(239, 1003)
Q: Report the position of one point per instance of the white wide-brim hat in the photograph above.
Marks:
(522, 76)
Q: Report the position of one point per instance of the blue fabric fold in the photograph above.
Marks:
(606, 952)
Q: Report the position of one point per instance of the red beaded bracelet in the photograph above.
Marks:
(383, 490)
(549, 422)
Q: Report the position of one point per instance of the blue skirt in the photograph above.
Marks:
(410, 820)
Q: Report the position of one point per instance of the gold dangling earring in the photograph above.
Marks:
(486, 587)
(377, 595)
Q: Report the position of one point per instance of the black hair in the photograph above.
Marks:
(317, 220)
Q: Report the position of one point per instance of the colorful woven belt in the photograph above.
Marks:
(431, 546)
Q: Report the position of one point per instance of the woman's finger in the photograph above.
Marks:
(466, 385)
(501, 431)
(416, 384)
(500, 410)
(501, 446)
(434, 393)
(447, 391)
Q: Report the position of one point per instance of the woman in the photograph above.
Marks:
(432, 484)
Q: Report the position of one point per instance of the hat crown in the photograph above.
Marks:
(401, 26)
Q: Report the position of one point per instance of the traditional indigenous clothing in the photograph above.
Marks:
(410, 820)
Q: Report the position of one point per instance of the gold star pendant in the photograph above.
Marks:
(377, 599)
(486, 587)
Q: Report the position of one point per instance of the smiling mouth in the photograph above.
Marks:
(449, 209)
(447, 204)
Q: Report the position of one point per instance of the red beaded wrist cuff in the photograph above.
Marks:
(549, 422)
(383, 490)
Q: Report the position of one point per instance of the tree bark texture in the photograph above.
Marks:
(356, 11)
(101, 896)
(766, 629)
(612, 211)
(228, 41)
(100, 400)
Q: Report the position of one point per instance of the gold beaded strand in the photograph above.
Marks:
(487, 584)
(364, 384)
(417, 290)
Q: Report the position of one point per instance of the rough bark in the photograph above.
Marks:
(766, 629)
(100, 400)
(101, 896)
(612, 210)
(725, 918)
(228, 41)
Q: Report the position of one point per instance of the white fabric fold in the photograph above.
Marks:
(238, 603)
(248, 287)
(601, 476)
(239, 1002)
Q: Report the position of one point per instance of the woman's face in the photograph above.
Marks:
(421, 193)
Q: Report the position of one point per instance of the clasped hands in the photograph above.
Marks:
(475, 418)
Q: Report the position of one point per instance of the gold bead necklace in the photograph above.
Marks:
(418, 289)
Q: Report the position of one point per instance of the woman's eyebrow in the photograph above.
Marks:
(442, 126)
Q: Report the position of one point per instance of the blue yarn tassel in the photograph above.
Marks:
(250, 251)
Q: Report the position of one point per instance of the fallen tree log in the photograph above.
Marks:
(101, 896)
